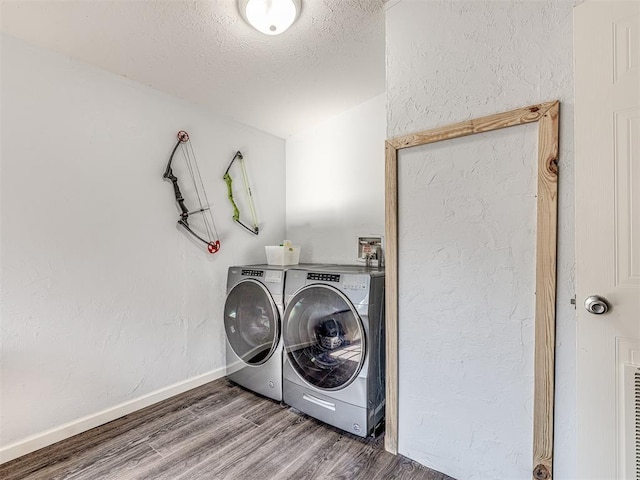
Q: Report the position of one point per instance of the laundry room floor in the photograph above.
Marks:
(217, 431)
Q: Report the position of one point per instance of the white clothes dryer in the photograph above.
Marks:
(334, 355)
(252, 322)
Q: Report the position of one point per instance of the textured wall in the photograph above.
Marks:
(103, 299)
(335, 183)
(467, 227)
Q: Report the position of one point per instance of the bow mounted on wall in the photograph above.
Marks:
(209, 235)
(253, 228)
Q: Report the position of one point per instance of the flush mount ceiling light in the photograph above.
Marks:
(271, 17)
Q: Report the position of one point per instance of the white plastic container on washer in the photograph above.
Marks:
(285, 254)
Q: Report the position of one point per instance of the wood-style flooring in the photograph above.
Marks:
(217, 431)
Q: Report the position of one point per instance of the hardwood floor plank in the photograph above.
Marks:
(226, 393)
(263, 411)
(118, 464)
(196, 452)
(202, 425)
(352, 461)
(272, 457)
(315, 459)
(226, 459)
(389, 467)
(108, 465)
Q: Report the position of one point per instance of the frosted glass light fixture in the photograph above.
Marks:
(271, 17)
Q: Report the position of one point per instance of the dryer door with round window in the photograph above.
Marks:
(251, 322)
(323, 337)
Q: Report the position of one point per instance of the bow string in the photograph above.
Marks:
(211, 241)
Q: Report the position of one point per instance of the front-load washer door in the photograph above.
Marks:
(323, 337)
(251, 322)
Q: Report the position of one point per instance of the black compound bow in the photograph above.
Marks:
(212, 243)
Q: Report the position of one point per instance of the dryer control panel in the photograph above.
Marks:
(252, 273)
(323, 277)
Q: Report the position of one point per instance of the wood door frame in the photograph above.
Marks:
(547, 117)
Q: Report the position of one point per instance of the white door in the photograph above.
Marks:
(607, 115)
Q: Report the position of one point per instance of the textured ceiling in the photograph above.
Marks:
(330, 60)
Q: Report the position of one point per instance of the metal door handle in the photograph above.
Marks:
(596, 305)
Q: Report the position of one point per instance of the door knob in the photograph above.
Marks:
(596, 305)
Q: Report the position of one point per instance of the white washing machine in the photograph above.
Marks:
(334, 348)
(252, 321)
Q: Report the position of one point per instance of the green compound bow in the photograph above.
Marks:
(236, 212)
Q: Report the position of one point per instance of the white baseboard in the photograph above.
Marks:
(51, 436)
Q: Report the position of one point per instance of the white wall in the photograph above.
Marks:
(335, 183)
(104, 301)
(467, 226)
